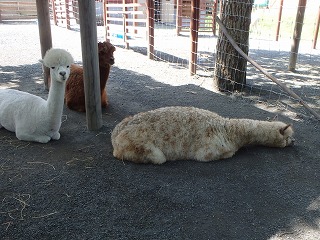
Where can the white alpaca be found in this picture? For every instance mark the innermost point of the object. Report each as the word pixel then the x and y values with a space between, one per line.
pixel 174 133
pixel 31 117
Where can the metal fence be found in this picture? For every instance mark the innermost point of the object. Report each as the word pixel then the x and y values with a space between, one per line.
pixel 163 30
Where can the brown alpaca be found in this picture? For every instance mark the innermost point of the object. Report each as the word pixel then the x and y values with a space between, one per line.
pixel 75 97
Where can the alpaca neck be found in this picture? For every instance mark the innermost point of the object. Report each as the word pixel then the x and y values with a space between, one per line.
pixel 55 101
pixel 104 74
pixel 247 131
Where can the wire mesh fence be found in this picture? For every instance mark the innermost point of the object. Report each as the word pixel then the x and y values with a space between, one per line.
pixel 163 31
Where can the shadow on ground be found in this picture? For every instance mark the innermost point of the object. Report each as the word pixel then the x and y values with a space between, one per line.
pixel 75 189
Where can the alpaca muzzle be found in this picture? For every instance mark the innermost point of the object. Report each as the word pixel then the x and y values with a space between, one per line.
pixel 290 141
pixel 63 75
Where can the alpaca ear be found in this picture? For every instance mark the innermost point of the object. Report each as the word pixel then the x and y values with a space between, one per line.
pixel 282 130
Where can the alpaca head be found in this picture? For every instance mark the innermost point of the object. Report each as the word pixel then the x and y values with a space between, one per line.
pixel 105 51
pixel 59 62
pixel 282 134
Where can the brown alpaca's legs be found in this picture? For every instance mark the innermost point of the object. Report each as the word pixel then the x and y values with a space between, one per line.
pixel 104 99
pixel 76 107
pixel 76 104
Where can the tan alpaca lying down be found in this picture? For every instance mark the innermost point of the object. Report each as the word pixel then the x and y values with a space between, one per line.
pixel 174 133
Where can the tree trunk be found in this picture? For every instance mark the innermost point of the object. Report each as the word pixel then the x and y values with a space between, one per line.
pixel 230 67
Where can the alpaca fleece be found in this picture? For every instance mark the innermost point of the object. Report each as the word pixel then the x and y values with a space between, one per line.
pixel 31 117
pixel 75 96
pixel 181 133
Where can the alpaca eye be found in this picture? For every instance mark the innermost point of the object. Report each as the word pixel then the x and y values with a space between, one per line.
pixel 53 67
pixel 68 66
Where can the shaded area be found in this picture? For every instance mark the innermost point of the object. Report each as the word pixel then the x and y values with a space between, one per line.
pixel 75 189
pixel 305 82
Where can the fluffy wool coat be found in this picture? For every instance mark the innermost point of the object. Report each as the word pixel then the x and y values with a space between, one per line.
pixel 181 133
pixel 31 117
pixel 75 96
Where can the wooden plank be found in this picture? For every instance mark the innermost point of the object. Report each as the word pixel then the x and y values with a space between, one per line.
pixel 7 4
pixel 126 12
pixel 17 17
pixel 89 45
pixel 127 19
pixel 44 33
pixel 127 5
pixel 18 10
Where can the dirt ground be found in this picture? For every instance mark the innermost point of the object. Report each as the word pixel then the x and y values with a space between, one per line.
pixel 74 188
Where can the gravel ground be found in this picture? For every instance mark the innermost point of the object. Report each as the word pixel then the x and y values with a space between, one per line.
pixel 75 189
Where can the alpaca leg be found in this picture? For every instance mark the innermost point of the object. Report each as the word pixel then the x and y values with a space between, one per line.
pixel 227 154
pixel 156 156
pixel 208 154
pixel 205 154
pixel 104 99
pixel 139 153
pixel 56 136
pixel 76 106
pixel 75 102
pixel 33 138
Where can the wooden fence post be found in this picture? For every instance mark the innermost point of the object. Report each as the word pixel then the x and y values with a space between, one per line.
pixel 89 45
pixel 179 17
pixel 44 33
pixel 214 15
pixel 316 31
pixel 125 24
pixel 279 20
pixel 297 35
pixel 135 24
pixel 194 27
pixel 150 28
pixel 67 14
pixel 54 13
pixel 105 22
